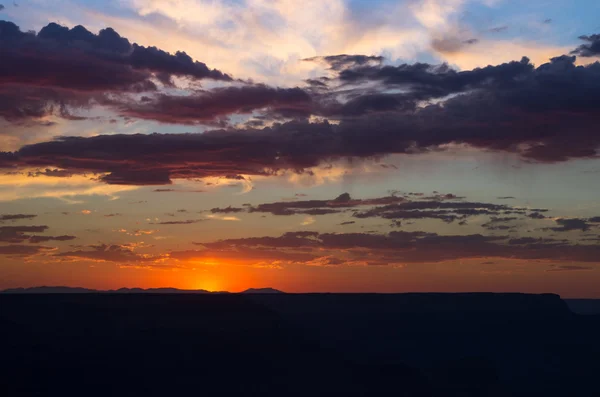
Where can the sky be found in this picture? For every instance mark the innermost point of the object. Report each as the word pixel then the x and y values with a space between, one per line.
pixel 314 146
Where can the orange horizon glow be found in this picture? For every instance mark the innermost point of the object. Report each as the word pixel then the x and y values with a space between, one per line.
pixel 239 275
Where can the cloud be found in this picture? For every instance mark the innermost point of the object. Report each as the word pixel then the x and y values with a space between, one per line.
pixel 227 210
pixel 498 29
pixel 20 103
pixel 434 209
pixel 51 172
pixel 24 250
pixel 320 207
pixel 536 215
pixel 110 62
pixel 19 234
pixel 18 185
pixel 493 222
pixel 208 106
pixel 552 111
pixel 15 217
pixel 400 247
pixel 566 225
pixel 569 268
pixel 44 239
pixel 444 207
pixel 108 253
pixel 591 48
pixel 326 261
pixel 344 61
pixel 186 222
pixel 451 44
pixel 58 68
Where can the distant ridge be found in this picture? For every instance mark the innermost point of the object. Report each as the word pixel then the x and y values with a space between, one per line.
pixel 79 290
pixel 262 291
pixel 49 290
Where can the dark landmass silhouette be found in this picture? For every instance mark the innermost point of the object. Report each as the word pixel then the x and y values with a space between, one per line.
pixel 584 306
pixel 78 290
pixel 262 291
pixel 268 344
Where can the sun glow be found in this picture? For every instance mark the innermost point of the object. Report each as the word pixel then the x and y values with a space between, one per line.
pixel 209 284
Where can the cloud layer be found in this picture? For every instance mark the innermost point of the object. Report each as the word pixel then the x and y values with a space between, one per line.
pixel 363 109
pixel 60 68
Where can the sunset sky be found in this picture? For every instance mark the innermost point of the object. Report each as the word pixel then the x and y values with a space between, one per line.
pixel 309 146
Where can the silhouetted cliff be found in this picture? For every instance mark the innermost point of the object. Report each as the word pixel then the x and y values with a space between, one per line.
pixel 430 345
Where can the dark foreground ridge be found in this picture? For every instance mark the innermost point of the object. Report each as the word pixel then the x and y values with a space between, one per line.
pixel 269 344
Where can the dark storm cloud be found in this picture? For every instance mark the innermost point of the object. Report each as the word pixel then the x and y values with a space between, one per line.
pixel 546 104
pixel 20 103
pixel 78 59
pixel 156 158
pixel 591 48
pixel 544 114
pixel 369 103
pixel 1 7
pixel 430 81
pixel 61 68
pixel 220 102
pixel 15 217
